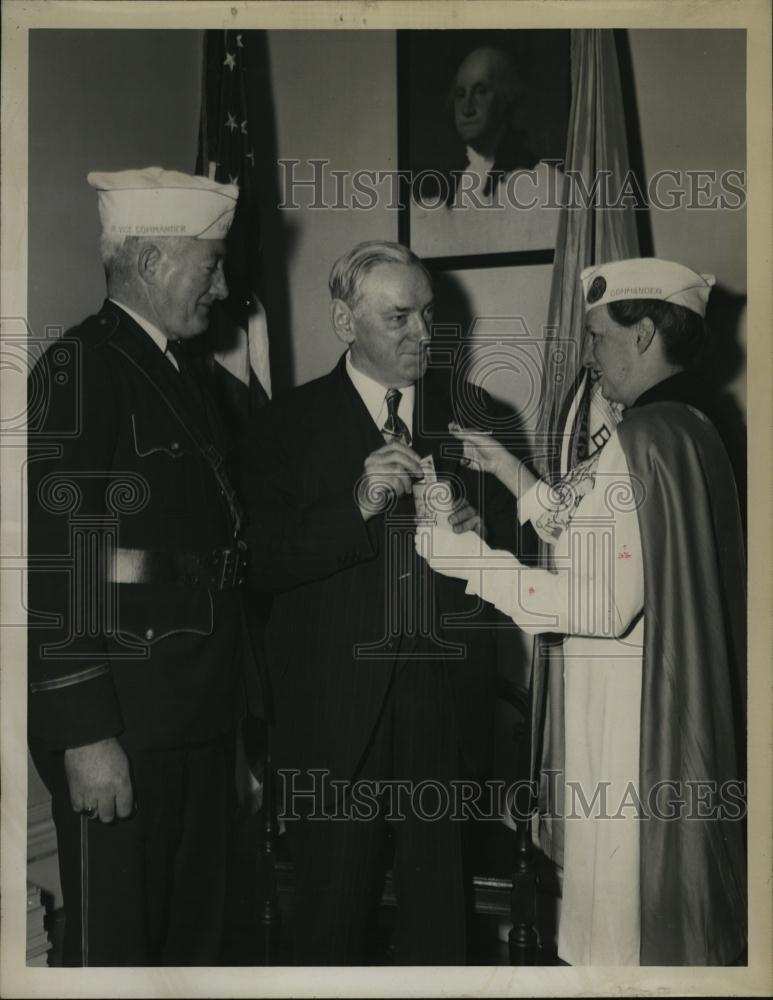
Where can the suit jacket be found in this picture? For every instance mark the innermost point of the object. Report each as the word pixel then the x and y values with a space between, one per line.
pixel 351 600
pixel 120 454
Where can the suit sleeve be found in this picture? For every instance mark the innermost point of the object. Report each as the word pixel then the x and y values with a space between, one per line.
pixel 295 537
pixel 72 700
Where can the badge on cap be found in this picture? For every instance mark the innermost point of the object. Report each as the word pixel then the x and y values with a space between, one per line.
pixel 596 290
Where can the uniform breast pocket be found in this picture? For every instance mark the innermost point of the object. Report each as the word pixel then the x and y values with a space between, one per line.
pixel 158 437
pixel 165 457
pixel 149 613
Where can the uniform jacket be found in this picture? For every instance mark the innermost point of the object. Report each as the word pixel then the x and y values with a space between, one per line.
pixel 117 458
pixel 351 600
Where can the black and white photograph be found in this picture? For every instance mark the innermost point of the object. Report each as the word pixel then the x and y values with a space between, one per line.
pixel 385 441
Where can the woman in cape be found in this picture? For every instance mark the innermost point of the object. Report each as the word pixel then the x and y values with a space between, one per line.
pixel 646 601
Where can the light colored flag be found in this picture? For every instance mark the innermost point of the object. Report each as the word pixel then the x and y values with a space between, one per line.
pixel 575 418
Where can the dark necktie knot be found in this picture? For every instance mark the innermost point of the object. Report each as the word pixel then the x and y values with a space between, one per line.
pixel 179 351
pixel 394 426
pixel 190 376
pixel 393 398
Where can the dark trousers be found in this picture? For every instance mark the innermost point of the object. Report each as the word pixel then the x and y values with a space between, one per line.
pixel 340 862
pixel 148 890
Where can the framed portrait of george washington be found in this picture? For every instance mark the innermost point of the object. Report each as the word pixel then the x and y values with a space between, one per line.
pixel 482 130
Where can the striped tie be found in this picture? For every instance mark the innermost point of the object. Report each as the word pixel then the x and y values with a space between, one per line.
pixel 394 427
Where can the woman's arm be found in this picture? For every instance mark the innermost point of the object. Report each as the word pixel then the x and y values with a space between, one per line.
pixel 483 450
pixel 598 586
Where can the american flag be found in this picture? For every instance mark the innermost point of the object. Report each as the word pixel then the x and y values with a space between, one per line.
pixel 239 338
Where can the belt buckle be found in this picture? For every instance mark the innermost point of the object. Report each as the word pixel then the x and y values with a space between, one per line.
pixel 232 565
pixel 225 568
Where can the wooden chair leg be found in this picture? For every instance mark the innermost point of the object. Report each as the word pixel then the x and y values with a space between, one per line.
pixel 523 939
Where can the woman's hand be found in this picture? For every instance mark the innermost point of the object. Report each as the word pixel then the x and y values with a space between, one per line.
pixel 481 449
pixel 486 453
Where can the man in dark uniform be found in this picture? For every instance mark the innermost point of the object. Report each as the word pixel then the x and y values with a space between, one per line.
pixel 137 651
pixel 380 672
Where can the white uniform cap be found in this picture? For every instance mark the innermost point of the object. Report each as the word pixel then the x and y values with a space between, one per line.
pixel 646 278
pixel 155 202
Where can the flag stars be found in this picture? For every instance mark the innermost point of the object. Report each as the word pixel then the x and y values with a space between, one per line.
pixel 230 60
pixel 251 157
pixel 231 122
pixel 239 42
pixel 233 180
pixel 243 128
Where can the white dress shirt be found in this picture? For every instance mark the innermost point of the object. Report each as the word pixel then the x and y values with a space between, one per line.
pixel 373 395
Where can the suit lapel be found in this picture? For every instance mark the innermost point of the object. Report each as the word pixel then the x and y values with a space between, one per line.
pixel 351 426
pixel 355 436
pixel 431 414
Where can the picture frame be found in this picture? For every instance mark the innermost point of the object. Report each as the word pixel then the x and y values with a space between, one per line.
pixel 472 90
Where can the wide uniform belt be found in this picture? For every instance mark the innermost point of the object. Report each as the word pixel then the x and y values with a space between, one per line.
pixel 218 569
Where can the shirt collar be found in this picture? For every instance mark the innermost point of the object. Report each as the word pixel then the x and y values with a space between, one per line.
pixel 373 395
pixel 160 339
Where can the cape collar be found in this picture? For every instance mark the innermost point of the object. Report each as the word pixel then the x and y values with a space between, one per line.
pixel 682 387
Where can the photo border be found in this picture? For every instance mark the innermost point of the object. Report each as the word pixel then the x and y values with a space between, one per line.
pixel 753 980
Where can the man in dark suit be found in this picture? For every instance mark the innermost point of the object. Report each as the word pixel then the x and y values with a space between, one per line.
pixel 382 676
pixel 137 650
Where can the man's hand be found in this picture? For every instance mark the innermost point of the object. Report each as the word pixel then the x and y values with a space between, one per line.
pixel 388 472
pixel 98 778
pixel 466 518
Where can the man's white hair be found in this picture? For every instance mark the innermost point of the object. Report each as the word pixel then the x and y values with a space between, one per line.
pixel 350 269
pixel 119 253
pixel 113 249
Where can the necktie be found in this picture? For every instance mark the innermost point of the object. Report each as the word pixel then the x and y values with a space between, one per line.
pixel 191 380
pixel 177 350
pixel 394 427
